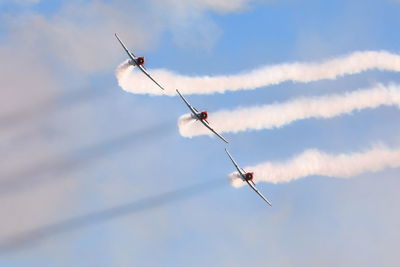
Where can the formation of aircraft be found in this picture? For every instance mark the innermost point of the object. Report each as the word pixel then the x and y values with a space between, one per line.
pixel 199 116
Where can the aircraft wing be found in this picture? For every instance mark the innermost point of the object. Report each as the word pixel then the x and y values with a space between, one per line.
pixel 212 130
pixel 253 186
pixel 130 54
pixel 192 109
pixel 148 75
pixel 234 163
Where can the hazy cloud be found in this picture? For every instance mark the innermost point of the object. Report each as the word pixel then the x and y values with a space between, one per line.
pixel 21 2
pixel 80 34
pixel 43 54
pixel 223 6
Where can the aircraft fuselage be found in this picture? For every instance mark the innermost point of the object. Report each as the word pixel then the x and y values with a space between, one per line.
pixel 248 176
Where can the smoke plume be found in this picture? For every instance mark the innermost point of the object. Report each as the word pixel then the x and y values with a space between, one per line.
pixel 315 162
pixel 135 82
pixel 280 114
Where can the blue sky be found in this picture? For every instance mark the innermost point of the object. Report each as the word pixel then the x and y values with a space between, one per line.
pixel 53 49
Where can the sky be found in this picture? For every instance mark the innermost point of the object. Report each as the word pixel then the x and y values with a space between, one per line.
pixel 93 175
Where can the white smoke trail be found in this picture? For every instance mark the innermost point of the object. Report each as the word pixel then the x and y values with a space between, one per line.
pixel 136 82
pixel 280 114
pixel 314 162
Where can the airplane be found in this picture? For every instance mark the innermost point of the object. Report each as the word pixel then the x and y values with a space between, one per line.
pixel 137 61
pixel 201 116
pixel 247 177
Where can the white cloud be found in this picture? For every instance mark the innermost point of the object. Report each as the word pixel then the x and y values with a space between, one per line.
pixel 188 21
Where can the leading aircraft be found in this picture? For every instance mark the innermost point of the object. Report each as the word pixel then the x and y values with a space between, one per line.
pixel 137 61
pixel 247 177
pixel 201 116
